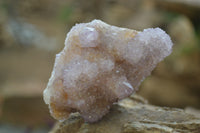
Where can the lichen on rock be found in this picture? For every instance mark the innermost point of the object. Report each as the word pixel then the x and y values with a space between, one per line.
pixel 101 64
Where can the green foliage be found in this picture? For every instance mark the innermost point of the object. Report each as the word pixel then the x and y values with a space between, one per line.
pixel 65 13
pixel 4 5
pixel 188 50
pixel 170 16
pixel 197 34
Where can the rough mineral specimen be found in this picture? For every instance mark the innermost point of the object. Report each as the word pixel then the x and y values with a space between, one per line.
pixel 101 64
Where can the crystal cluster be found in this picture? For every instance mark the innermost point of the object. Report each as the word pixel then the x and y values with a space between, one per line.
pixel 101 64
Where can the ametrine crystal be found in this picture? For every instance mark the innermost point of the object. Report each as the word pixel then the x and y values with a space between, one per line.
pixel 101 64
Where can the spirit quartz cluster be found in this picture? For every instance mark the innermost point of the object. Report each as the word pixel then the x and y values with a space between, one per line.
pixel 101 64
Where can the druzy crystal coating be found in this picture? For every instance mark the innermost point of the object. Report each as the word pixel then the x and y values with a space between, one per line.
pixel 101 64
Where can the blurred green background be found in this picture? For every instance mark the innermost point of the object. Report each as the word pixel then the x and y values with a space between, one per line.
pixel 33 31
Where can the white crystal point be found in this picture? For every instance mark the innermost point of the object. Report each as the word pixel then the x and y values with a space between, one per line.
pixel 88 37
pixel 101 64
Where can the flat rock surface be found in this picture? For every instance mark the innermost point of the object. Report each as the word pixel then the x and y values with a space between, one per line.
pixel 189 8
pixel 134 115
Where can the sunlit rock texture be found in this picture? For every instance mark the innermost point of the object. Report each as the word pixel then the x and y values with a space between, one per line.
pixel 99 65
